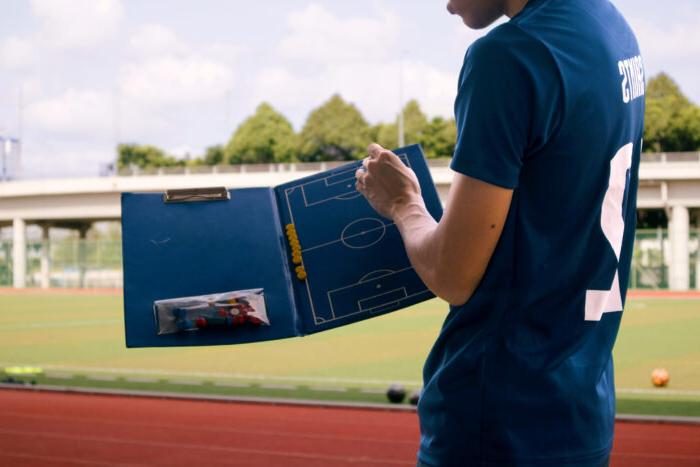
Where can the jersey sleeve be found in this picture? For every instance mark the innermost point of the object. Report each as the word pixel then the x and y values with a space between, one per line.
pixel 495 107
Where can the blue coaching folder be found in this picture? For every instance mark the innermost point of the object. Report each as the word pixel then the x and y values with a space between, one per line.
pixel 355 261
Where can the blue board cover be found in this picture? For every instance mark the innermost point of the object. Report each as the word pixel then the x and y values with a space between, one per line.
pixel 355 260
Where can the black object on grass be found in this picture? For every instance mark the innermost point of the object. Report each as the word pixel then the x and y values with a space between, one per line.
pixel 396 393
pixel 415 397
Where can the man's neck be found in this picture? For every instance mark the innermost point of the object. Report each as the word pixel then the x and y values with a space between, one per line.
pixel 513 7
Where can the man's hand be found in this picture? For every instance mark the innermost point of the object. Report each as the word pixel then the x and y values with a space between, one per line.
pixel 386 182
pixel 450 256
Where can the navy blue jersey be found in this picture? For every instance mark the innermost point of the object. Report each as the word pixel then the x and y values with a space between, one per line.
pixel 551 105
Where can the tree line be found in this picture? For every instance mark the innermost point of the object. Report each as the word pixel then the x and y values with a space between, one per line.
pixel 337 131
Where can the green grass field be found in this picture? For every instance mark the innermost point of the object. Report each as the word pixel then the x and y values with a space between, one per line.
pixel 79 340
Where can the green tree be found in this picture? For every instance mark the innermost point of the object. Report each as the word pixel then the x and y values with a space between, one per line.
pixel 214 155
pixel 144 156
pixel 439 138
pixel 671 120
pixel 415 123
pixel 335 131
pixel 265 137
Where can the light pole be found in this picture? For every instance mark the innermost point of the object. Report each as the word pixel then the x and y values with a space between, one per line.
pixel 6 144
pixel 400 123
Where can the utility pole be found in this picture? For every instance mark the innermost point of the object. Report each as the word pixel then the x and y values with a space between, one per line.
pixel 400 125
pixel 3 176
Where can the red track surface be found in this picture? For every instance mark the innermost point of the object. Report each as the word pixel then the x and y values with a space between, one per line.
pixel 43 428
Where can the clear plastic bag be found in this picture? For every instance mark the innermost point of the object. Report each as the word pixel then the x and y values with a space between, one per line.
pixel 227 310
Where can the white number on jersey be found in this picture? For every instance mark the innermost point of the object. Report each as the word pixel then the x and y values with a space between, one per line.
pixel 613 225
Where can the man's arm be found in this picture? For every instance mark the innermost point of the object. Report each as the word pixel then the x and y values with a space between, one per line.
pixel 450 256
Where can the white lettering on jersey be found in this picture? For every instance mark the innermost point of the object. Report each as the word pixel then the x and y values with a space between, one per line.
pixel 613 225
pixel 632 72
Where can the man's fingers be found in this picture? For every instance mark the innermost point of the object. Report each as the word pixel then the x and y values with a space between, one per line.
pixel 374 150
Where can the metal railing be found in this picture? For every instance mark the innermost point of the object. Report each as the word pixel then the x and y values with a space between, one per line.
pixel 670 157
pixel 662 157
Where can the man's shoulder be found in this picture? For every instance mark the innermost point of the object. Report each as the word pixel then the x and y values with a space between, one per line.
pixel 504 39
pixel 508 49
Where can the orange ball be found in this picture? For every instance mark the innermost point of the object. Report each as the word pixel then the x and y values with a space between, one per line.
pixel 660 377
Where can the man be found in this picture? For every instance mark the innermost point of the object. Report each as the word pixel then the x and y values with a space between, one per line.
pixel 534 248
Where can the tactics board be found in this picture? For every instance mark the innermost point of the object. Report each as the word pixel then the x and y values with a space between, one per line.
pixel 354 258
pixel 354 261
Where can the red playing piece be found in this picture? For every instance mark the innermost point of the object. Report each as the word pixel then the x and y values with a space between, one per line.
pixel 254 320
pixel 201 322
pixel 222 312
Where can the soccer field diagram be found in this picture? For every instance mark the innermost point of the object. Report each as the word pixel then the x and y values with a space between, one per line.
pixel 355 260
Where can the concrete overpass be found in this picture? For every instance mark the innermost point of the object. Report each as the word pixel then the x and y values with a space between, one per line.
pixel 667 181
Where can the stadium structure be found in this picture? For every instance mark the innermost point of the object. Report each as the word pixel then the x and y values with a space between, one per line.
pixel 666 257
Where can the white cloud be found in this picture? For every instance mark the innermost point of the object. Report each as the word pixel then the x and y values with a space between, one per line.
pixel 172 80
pixel 673 48
pixel 77 23
pixel 668 43
pixel 356 57
pixel 168 71
pixel 375 90
pixel 16 53
pixel 316 34
pixel 72 112
pixel 53 159
pixel 156 39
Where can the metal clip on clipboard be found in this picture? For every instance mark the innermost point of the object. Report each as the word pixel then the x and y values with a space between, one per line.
pixel 185 195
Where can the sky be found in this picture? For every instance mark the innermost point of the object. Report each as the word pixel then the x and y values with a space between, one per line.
pixel 79 76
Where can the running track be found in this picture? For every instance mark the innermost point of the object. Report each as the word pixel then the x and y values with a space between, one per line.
pixel 48 429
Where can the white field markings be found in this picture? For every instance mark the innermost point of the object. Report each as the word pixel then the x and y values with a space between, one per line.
pixel 318 319
pixel 349 180
pixel 102 377
pixel 59 375
pixel 306 281
pixel 60 324
pixel 141 379
pixel 186 382
pixel 221 376
pixel 659 392
pixel 286 387
pixel 343 237
pixel 352 193
pixel 373 390
pixel 67 372
pixel 231 384
pixel 328 388
pixel 360 308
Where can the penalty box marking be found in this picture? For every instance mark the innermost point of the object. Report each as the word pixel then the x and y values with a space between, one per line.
pixel 364 283
pixel 373 302
pixel 319 320
pixel 332 182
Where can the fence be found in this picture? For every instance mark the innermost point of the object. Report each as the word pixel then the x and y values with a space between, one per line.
pixel 73 262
